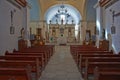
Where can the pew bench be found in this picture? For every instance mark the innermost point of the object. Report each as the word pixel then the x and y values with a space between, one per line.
pixel 47 51
pixel 89 68
pixel 15 74
pixel 95 57
pixel 90 53
pixel 25 58
pixel 106 73
pixel 43 56
pixel 34 67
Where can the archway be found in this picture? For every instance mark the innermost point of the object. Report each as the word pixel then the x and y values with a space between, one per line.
pixel 68 10
pixel 64 15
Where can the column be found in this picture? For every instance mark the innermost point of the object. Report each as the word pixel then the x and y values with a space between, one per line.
pixel 99 23
pixel 83 30
pixel 26 21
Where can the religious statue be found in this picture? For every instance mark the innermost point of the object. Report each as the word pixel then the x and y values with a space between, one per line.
pixel 62 21
pixel 22 31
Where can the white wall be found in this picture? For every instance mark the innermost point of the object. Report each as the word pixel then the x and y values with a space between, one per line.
pixel 108 24
pixel 8 41
pixel 83 31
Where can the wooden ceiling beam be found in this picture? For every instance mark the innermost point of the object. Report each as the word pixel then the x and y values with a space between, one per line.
pixel 104 2
pixel 23 3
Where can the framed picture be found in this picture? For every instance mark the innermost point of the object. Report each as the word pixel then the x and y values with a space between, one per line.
pixel 113 30
pixel 12 30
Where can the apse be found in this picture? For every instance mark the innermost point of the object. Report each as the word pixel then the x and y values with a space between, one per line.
pixel 62 12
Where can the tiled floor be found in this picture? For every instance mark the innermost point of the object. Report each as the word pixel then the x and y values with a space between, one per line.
pixel 61 66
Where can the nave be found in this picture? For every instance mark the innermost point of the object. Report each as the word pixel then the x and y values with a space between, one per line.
pixel 35 34
pixel 48 62
pixel 61 66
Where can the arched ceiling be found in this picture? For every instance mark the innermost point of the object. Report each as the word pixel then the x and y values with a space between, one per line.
pixel 71 13
pixel 39 7
pixel 46 4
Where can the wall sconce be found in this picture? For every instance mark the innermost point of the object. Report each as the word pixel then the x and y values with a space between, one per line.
pixel 12 30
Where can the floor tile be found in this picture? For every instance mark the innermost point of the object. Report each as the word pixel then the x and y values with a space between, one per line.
pixel 61 66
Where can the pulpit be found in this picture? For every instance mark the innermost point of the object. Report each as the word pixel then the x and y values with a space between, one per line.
pixel 22 44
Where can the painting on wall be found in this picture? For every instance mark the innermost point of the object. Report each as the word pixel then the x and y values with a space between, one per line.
pixel 113 31
pixel 12 30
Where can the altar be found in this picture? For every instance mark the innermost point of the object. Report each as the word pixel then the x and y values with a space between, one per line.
pixel 61 34
pixel 61 40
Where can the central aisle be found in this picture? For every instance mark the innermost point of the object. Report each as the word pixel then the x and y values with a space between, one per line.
pixel 61 66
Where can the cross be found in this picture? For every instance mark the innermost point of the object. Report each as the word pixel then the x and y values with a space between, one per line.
pixel 11 17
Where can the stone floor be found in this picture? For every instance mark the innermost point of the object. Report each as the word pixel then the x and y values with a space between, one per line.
pixel 61 66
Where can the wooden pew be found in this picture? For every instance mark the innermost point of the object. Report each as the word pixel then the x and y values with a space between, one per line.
pixel 52 48
pixel 93 57
pixel 83 48
pixel 98 56
pixel 37 50
pixel 106 73
pixel 78 53
pixel 26 58
pixel 43 56
pixel 34 67
pixel 15 74
pixel 86 49
pixel 90 66
pixel 46 48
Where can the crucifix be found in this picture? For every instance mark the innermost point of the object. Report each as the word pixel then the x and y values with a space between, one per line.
pixel 11 17
pixel 113 13
pixel 113 30
pixel 11 27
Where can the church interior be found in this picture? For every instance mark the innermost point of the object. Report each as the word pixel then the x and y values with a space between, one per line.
pixel 59 39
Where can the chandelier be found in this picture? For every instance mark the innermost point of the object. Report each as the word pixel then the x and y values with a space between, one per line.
pixel 62 14
pixel 62 9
